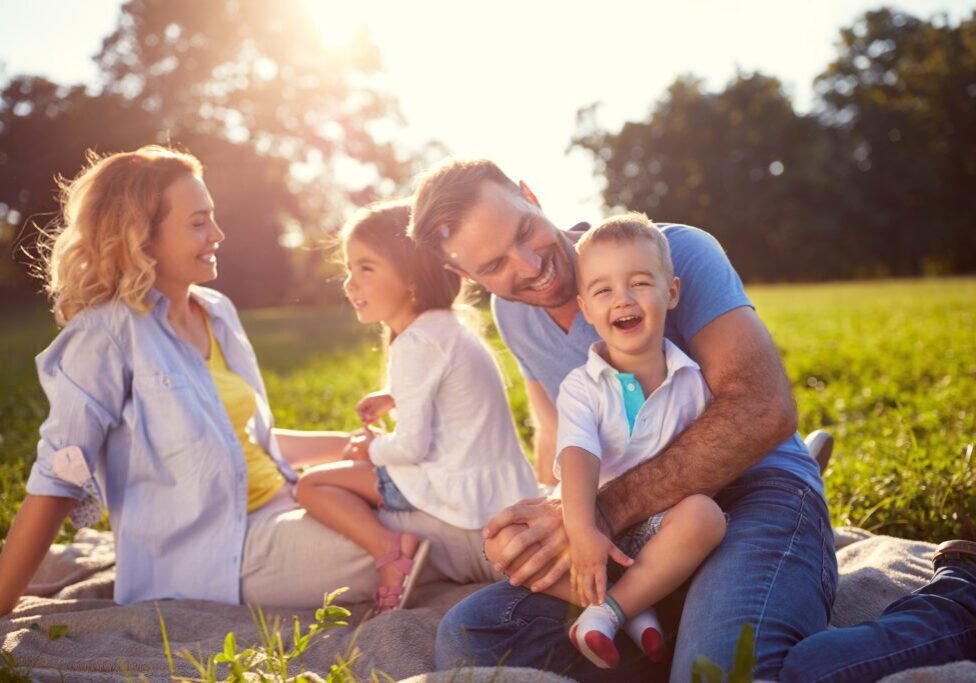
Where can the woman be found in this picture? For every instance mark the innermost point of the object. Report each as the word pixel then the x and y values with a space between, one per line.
pixel 158 412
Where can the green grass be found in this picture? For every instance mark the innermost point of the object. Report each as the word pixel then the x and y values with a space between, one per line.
pixel 889 367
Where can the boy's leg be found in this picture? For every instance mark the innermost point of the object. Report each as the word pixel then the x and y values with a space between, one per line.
pixel 510 625
pixel 775 569
pixel 689 532
pixel 671 547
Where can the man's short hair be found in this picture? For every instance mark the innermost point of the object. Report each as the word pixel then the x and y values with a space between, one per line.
pixel 445 195
pixel 629 227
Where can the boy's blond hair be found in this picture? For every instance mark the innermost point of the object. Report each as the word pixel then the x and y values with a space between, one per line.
pixel 629 227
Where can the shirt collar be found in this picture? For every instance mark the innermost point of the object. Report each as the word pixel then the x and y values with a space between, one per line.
pixel 674 358
pixel 207 298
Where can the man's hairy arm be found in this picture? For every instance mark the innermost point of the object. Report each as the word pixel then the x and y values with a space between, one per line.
pixel 751 412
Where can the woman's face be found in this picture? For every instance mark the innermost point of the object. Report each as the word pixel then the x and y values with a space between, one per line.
pixel 185 245
pixel 375 287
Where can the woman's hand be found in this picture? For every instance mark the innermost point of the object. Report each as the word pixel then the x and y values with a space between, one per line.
pixel 372 406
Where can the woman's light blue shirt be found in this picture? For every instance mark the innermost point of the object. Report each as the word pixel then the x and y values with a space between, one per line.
pixel 141 405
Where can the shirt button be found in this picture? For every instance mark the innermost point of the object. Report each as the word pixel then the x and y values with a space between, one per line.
pixel 630 387
pixel 166 381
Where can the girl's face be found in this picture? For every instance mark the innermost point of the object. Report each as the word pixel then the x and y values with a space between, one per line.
pixel 185 244
pixel 375 287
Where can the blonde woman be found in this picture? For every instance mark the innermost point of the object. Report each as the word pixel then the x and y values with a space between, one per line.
pixel 158 412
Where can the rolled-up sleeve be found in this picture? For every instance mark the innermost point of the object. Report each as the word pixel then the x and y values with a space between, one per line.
pixel 86 381
pixel 416 369
pixel 578 419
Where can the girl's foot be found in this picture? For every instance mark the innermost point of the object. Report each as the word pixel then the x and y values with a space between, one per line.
pixel 593 632
pixel 399 570
pixel 645 630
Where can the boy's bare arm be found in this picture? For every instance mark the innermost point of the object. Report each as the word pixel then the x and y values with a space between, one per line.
pixel 580 480
pixel 589 548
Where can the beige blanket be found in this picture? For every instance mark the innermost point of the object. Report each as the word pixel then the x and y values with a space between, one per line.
pixel 106 642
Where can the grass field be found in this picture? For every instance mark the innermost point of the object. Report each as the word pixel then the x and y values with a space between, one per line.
pixel 889 367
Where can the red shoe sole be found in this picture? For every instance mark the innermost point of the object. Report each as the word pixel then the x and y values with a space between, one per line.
pixel 653 644
pixel 597 648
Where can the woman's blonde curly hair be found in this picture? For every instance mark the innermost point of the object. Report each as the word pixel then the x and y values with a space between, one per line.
pixel 110 212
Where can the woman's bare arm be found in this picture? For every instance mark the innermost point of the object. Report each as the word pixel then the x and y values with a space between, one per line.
pixel 33 530
pixel 301 448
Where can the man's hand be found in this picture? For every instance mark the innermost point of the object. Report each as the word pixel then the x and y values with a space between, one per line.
pixel 372 406
pixel 541 538
pixel 589 550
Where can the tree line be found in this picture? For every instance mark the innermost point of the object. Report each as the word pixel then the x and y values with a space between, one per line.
pixel 877 180
pixel 284 125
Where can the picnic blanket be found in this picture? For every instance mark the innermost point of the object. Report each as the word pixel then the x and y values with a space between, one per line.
pixel 103 641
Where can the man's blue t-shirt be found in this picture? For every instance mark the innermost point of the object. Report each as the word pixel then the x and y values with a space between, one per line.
pixel 709 287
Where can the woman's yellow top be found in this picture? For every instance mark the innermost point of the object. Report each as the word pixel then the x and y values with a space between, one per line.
pixel 263 478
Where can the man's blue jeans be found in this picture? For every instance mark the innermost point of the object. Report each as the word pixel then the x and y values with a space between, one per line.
pixel 934 625
pixel 775 569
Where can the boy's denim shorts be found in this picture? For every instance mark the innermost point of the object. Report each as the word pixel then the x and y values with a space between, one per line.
pixel 390 494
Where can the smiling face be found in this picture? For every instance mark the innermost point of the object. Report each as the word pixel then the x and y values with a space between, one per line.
pixel 375 287
pixel 625 293
pixel 185 242
pixel 506 244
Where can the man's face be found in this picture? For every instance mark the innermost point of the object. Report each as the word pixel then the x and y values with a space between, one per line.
pixel 510 248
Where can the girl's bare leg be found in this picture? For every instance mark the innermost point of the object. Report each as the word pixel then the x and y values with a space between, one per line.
pixel 343 496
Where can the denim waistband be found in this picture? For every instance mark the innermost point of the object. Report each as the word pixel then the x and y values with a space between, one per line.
pixel 772 477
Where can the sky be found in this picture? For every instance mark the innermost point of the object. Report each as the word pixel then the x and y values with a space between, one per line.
pixel 505 79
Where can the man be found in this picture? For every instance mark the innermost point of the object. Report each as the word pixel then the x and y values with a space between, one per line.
pixel 775 569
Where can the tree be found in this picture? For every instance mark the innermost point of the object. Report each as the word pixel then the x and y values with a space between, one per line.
pixel 45 129
pixel 878 181
pixel 902 94
pixel 288 129
pixel 740 163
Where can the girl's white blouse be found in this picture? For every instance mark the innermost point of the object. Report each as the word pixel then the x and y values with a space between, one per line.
pixel 454 453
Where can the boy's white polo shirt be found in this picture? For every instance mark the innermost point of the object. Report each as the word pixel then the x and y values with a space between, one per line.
pixel 592 415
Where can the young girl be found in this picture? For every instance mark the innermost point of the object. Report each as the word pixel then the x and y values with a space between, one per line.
pixel 454 453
